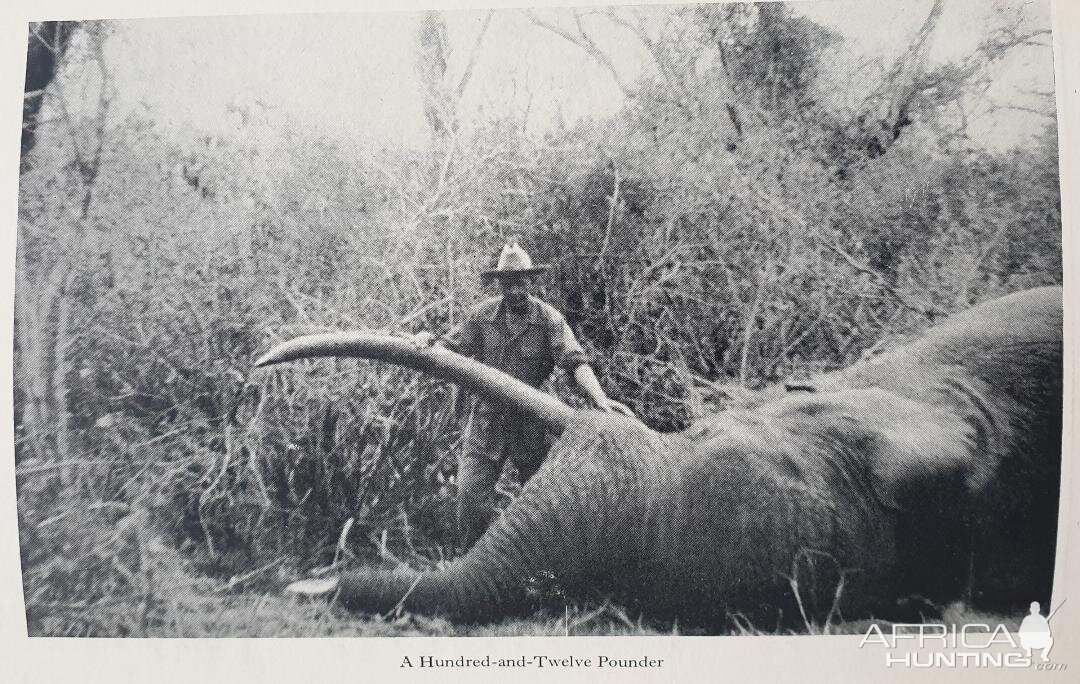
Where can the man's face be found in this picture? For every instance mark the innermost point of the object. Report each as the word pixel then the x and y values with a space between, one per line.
pixel 515 291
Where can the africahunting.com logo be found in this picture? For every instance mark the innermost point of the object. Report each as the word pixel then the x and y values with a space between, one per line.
pixel 974 644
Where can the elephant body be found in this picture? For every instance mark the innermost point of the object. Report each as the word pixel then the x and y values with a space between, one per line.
pixel 927 474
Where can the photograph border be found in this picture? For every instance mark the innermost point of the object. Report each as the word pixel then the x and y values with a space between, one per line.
pixel 771 658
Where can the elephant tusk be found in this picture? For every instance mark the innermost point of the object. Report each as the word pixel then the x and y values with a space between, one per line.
pixel 313 587
pixel 441 363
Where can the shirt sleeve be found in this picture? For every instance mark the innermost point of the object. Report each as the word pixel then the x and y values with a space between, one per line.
pixel 565 348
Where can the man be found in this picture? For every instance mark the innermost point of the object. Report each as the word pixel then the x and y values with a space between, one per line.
pixel 526 338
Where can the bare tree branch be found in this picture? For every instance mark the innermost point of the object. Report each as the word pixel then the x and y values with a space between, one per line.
pixel 921 308
pixel 884 112
pixel 1036 92
pixel 586 43
pixel 655 51
pixel 1029 110
pixel 467 74
pixel 909 86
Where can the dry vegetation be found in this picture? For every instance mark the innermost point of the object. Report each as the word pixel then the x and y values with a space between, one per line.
pixel 727 229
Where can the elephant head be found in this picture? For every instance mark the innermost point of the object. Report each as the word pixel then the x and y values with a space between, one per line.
pixel 929 471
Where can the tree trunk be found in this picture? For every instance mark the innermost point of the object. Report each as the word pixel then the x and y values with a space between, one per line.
pixel 61 366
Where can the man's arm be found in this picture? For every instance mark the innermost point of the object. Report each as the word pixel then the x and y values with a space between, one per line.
pixel 590 386
pixel 567 350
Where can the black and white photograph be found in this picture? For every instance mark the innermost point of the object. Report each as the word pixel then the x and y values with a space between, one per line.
pixel 726 320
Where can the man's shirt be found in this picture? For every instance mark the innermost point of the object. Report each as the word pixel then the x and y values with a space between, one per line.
pixel 527 346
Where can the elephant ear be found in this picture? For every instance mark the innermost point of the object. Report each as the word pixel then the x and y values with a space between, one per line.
pixel 894 441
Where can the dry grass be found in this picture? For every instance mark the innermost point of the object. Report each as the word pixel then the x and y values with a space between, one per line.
pixel 153 591
pixel 103 570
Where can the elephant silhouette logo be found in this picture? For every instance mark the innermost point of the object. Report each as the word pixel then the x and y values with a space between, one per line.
pixel 1035 633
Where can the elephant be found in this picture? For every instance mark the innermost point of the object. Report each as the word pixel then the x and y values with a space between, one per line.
pixel 925 475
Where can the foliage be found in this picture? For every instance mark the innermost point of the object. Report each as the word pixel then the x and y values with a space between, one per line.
pixel 702 245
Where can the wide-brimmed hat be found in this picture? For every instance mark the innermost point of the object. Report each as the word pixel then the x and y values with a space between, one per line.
pixel 514 261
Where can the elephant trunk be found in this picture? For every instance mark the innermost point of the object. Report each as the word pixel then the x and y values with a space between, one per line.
pixel 492 384
pixel 582 525
pixel 456 592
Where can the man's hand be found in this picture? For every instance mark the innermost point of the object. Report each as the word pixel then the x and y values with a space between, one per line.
pixel 609 405
pixel 423 340
pixel 590 386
